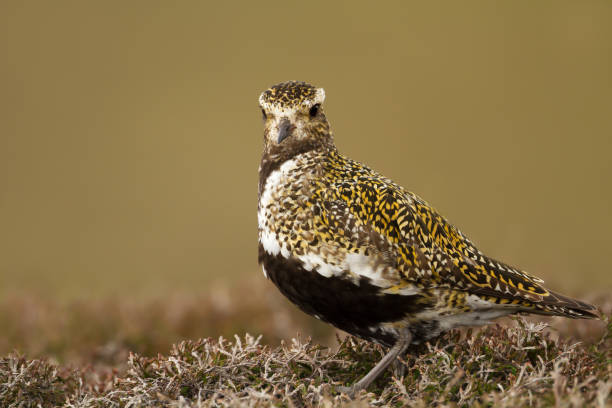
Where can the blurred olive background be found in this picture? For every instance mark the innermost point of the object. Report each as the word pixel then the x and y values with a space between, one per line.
pixel 130 134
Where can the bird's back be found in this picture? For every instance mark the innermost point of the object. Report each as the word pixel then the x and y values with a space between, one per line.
pixel 430 252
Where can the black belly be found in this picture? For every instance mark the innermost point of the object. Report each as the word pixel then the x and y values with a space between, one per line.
pixel 356 309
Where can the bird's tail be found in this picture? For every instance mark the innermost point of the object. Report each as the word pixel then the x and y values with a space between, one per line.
pixel 559 305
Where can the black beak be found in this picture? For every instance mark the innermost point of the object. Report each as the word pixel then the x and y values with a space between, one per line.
pixel 284 129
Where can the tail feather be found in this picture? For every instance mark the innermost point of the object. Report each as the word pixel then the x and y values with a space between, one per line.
pixel 560 305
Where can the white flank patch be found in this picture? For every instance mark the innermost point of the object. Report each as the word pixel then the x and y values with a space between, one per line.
pixel 318 264
pixel 361 265
pixel 264 271
pixel 357 264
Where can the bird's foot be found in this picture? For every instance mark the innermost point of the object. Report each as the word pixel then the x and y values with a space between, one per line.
pixel 398 348
pixel 349 391
pixel 398 368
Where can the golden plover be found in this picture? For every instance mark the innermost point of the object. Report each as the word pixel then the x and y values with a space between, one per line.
pixel 358 251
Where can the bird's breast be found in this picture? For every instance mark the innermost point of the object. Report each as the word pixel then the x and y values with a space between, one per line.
pixel 282 209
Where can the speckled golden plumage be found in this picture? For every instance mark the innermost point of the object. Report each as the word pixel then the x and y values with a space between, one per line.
pixel 348 208
pixel 359 251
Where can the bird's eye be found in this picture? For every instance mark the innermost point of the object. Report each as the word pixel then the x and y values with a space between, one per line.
pixel 314 110
pixel 263 113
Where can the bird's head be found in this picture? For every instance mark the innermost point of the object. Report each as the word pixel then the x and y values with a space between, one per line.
pixel 293 118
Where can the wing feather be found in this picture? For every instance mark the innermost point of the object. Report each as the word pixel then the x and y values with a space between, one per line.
pixel 431 253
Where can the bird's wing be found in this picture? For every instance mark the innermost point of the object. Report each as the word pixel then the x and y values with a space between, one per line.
pixel 431 253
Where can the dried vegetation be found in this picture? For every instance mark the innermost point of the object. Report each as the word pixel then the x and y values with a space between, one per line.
pixel 108 358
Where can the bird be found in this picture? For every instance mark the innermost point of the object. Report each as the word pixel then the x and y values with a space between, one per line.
pixel 358 251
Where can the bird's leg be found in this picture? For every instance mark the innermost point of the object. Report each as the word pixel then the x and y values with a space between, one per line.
pixel 398 348
pixel 398 368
